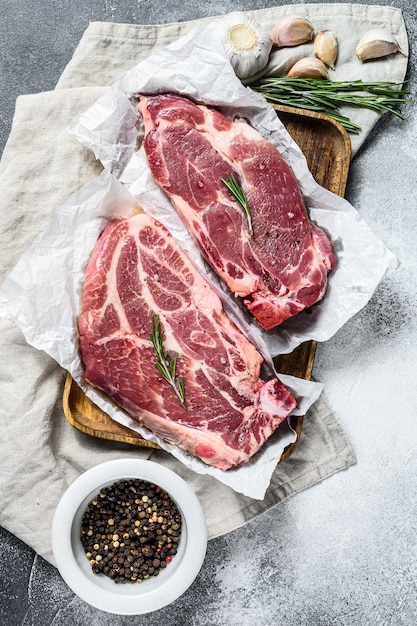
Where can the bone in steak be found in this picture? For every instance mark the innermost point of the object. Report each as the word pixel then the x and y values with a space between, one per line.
pixel 138 271
pixel 281 269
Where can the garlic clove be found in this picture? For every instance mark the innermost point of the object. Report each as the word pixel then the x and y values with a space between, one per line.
pixel 309 67
pixel 375 44
pixel 246 43
pixel 325 47
pixel 291 31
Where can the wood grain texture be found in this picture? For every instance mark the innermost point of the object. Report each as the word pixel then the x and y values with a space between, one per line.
pixel 326 146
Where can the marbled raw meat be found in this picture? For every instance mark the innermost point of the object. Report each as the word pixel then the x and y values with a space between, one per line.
pixel 281 269
pixel 138 271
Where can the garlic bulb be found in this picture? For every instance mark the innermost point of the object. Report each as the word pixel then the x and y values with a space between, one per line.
pixel 375 44
pixel 291 31
pixel 246 43
pixel 308 67
pixel 325 47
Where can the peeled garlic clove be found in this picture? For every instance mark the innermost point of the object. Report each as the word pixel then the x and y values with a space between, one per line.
pixel 246 43
pixel 375 44
pixel 308 67
pixel 325 47
pixel 291 31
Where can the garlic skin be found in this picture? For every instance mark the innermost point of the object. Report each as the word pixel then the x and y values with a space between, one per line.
pixel 375 44
pixel 309 67
pixel 291 31
pixel 326 47
pixel 246 43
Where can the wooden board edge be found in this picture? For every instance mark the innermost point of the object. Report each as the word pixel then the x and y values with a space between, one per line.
pixel 70 388
pixel 344 163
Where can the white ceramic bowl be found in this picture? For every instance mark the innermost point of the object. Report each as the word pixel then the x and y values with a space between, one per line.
pixel 99 590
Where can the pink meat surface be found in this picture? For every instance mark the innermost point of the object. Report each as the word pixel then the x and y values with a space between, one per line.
pixel 136 272
pixel 281 269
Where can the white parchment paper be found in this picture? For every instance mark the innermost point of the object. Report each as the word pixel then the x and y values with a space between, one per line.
pixel 42 295
pixel 197 66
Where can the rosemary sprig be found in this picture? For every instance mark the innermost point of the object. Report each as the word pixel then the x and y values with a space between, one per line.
pixel 328 96
pixel 166 365
pixel 239 195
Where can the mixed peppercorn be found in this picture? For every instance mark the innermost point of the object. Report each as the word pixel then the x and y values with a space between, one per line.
pixel 130 531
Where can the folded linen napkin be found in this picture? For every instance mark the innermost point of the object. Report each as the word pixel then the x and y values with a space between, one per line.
pixel 41 166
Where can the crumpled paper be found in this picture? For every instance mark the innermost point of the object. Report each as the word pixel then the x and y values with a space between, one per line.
pixel 197 66
pixel 42 295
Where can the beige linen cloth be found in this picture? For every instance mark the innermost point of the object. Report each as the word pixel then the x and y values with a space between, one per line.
pixel 41 453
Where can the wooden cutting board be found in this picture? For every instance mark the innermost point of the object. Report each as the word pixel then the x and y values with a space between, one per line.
pixel 326 146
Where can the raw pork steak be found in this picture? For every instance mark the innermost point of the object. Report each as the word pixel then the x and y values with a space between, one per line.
pixel 137 272
pixel 283 267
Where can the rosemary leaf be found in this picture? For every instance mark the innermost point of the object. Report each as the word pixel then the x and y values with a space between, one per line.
pixel 239 195
pixel 328 96
pixel 166 364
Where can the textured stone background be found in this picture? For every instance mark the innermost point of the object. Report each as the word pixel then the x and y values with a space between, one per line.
pixel 345 551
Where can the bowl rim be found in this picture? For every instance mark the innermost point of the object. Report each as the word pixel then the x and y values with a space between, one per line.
pixel 100 591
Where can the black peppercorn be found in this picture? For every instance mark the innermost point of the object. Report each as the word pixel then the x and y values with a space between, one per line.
pixel 123 517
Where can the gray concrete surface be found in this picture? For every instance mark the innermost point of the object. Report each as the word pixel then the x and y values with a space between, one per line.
pixel 343 553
